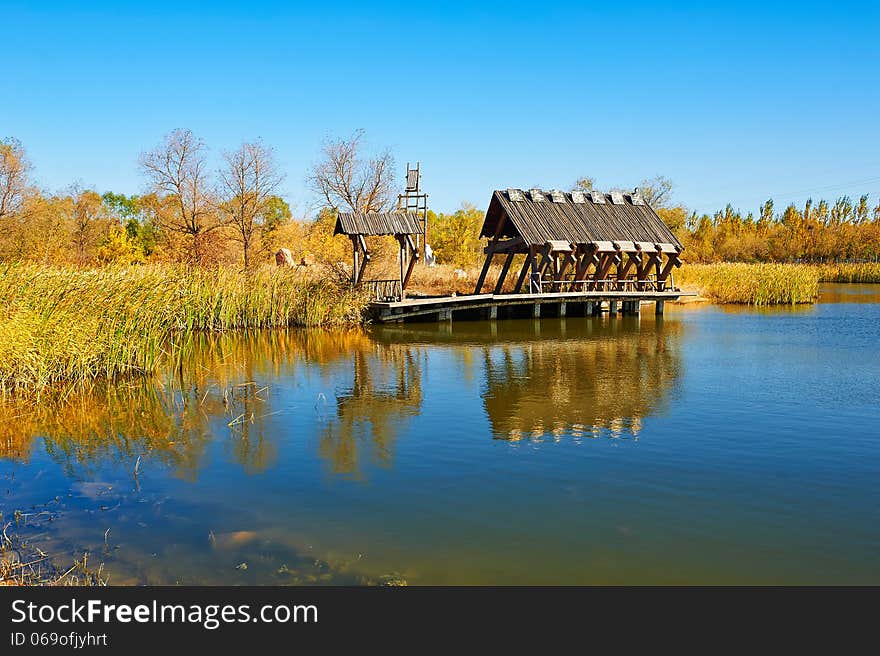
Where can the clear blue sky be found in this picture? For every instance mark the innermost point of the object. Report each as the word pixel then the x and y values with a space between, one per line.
pixel 732 103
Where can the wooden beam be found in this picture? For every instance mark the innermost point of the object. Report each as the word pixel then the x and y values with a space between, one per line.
pixel 403 258
pixel 504 246
pixel 672 260
pixel 632 260
pixel 411 265
pixel 479 287
pixel 535 279
pixel 354 261
pixel 499 285
pixel 522 275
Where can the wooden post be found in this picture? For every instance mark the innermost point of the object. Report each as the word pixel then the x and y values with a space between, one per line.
pixel 561 310
pixel 402 265
pixel 493 312
pixel 414 255
pixel 354 259
pixel 613 307
pixel 535 280
pixel 658 308
pixel 536 311
pixel 504 269
pixel 522 275
pixel 589 310
pixel 484 271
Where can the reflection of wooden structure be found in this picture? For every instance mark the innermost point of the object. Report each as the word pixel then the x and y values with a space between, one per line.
pixel 591 385
pixel 579 241
pixel 402 226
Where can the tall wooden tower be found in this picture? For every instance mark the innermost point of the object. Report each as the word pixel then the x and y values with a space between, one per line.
pixel 413 200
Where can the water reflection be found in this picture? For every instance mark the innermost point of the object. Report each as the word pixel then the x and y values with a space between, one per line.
pixel 220 391
pixel 386 389
pixel 582 377
pixel 545 379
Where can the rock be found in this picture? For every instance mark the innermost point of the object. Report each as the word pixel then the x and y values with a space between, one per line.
pixel 284 258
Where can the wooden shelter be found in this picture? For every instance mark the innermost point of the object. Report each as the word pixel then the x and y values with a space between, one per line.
pixel 579 242
pixel 402 226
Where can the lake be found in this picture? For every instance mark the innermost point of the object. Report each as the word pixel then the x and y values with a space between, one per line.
pixel 725 445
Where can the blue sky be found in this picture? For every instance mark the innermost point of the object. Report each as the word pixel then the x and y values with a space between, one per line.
pixel 734 103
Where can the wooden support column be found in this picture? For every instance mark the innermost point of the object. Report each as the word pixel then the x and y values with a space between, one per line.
pixel 589 310
pixel 535 280
pixel 672 260
pixel 658 308
pixel 504 269
pixel 479 287
pixel 403 258
pixel 522 274
pixel 562 309
pixel 414 255
pixel 354 259
pixel 493 312
pixel 536 311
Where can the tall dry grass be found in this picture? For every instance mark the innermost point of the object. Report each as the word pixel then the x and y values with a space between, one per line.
pixel 753 284
pixel 849 272
pixel 76 325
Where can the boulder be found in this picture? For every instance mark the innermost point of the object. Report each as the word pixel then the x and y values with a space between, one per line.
pixel 284 258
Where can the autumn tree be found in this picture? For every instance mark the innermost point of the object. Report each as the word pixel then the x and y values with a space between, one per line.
pixel 248 185
pixel 177 169
pixel 88 223
pixel 345 179
pixel 14 170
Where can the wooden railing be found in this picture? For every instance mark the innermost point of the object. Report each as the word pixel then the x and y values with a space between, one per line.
pixel 383 290
pixel 649 284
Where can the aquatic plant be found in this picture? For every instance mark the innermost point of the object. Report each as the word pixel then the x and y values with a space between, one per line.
pixel 850 272
pixel 63 324
pixel 753 284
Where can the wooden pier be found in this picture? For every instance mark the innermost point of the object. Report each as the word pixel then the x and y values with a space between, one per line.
pixel 510 306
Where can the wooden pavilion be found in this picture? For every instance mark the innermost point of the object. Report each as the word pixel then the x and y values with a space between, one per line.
pixel 402 225
pixel 579 242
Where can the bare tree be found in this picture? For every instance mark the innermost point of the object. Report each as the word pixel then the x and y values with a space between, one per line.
pixel 248 185
pixel 656 191
pixel 14 169
pixel 345 180
pixel 177 170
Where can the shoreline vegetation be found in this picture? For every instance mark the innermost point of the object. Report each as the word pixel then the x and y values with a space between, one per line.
pixel 63 325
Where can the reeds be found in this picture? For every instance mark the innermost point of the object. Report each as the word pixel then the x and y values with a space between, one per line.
pixel 849 272
pixel 76 325
pixel 753 284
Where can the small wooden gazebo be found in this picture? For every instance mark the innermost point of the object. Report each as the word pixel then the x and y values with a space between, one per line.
pixel 402 225
pixel 579 241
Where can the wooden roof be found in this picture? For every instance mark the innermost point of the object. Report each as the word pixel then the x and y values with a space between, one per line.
pixel 539 216
pixel 377 223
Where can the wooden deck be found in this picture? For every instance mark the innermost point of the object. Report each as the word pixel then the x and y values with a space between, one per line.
pixel 503 306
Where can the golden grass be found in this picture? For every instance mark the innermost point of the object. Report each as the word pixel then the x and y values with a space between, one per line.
pixel 849 272
pixel 76 325
pixel 753 284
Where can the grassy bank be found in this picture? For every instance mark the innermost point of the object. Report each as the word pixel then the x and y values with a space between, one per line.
pixel 753 284
pixel 76 325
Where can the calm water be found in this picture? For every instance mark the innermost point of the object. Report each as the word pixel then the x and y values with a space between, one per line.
pixel 716 445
